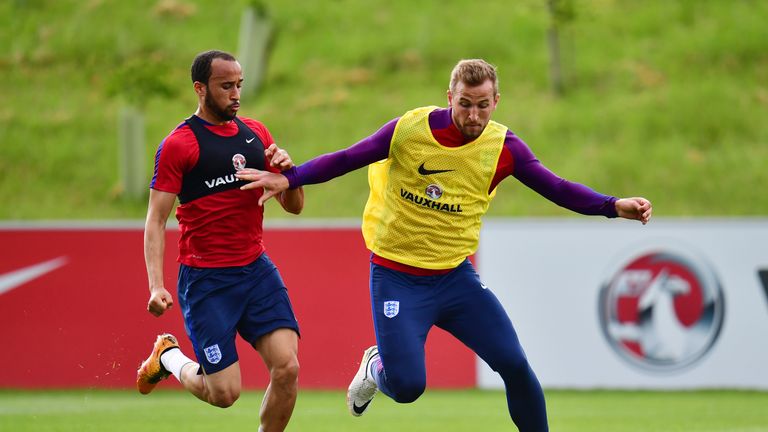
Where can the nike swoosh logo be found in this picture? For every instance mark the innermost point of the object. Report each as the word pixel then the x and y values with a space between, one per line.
pixel 248 141
pixel 361 408
pixel 17 278
pixel 424 171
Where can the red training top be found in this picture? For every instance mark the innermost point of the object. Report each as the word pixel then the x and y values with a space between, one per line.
pixel 222 228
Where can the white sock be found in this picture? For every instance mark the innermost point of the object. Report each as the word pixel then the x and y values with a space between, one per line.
pixel 174 360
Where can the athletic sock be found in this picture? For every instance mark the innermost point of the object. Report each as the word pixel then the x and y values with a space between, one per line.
pixel 174 361
pixel 375 369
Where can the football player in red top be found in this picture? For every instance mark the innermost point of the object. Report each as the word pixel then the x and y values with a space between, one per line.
pixel 227 283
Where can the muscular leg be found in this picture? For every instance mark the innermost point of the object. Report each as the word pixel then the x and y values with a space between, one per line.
pixel 475 317
pixel 220 389
pixel 200 297
pixel 279 349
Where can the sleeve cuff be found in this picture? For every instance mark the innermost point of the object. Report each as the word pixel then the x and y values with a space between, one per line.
pixel 610 210
pixel 293 177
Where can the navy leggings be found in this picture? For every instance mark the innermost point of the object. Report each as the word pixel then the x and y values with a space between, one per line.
pixel 405 307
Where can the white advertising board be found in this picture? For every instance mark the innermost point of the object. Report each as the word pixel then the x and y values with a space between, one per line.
pixel 597 303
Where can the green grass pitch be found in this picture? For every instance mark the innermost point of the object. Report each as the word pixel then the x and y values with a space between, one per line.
pixel 435 411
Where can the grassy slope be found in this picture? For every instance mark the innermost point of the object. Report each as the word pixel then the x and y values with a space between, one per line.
pixel 666 99
pixel 436 411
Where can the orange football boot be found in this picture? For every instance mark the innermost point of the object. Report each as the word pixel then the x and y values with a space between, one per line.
pixel 151 370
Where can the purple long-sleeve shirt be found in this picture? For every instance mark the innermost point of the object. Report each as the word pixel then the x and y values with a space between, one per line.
pixel 516 159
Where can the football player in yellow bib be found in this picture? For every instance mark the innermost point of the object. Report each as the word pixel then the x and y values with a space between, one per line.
pixel 432 174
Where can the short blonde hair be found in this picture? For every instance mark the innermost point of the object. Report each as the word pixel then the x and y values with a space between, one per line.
pixel 473 72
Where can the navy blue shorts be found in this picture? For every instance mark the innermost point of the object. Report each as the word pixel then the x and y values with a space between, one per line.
pixel 217 303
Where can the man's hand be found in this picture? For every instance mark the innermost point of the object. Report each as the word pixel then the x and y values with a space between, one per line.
pixel 636 208
pixel 278 158
pixel 160 300
pixel 272 183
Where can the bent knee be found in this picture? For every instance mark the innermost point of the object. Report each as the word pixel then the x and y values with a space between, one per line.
pixel 407 392
pixel 286 373
pixel 512 366
pixel 223 398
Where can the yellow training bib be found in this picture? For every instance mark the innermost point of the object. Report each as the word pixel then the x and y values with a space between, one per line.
pixel 426 199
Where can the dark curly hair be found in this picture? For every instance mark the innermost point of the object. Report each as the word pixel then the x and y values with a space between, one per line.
pixel 201 66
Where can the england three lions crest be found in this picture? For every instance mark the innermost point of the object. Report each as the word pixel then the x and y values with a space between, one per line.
pixel 213 353
pixel 391 308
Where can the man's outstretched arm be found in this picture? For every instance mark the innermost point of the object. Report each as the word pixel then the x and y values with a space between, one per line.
pixel 322 168
pixel 573 196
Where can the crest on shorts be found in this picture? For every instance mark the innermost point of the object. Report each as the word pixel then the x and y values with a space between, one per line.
pixel 213 354
pixel 391 308
pixel 238 161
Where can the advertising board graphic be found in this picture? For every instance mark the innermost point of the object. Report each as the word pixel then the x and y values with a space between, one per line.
pixel 595 304
pixel 73 308
pixel 662 310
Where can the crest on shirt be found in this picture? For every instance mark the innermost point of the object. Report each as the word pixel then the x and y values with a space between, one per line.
pixel 213 353
pixel 391 308
pixel 434 191
pixel 238 161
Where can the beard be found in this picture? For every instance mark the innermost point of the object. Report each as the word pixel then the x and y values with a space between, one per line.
pixel 471 132
pixel 223 114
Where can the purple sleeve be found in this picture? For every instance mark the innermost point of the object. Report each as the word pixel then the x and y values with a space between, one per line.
pixel 331 165
pixel 573 196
